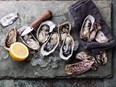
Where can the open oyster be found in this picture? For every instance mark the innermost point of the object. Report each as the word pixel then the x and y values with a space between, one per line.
pixel 87 27
pixel 84 56
pixel 102 58
pixel 44 31
pixel 30 41
pixel 67 47
pixel 9 19
pixel 79 68
pixel 50 45
pixel 64 29
pixel 10 38
pixel 101 38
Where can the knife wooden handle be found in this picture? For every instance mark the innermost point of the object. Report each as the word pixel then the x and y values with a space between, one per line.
pixel 43 17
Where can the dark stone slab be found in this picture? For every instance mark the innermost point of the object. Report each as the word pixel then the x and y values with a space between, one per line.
pixel 29 69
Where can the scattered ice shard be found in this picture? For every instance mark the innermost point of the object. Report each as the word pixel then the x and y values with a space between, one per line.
pixel 9 19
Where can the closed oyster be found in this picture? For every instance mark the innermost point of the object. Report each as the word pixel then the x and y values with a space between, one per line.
pixel 87 27
pixel 84 56
pixel 79 68
pixel 50 45
pixel 10 38
pixel 101 38
pixel 102 58
pixel 44 31
pixel 64 29
pixel 67 47
pixel 9 19
pixel 30 41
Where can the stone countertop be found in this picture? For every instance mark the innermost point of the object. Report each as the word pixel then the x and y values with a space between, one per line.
pixel 37 66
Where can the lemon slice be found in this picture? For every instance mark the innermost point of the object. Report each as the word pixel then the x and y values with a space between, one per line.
pixel 18 51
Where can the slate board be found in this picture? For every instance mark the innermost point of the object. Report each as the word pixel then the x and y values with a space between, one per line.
pixel 28 11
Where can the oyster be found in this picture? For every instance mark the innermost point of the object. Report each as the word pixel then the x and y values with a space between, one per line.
pixel 44 31
pixel 30 41
pixel 102 58
pixel 101 38
pixel 10 38
pixel 67 47
pixel 64 29
pixel 87 27
pixel 9 19
pixel 79 68
pixel 84 56
pixel 50 45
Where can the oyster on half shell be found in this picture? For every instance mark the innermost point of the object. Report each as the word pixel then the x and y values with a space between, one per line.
pixel 101 38
pixel 44 31
pixel 87 27
pixel 64 29
pixel 30 41
pixel 50 45
pixel 10 38
pixel 67 47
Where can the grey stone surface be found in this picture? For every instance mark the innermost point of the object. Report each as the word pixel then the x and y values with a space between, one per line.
pixel 28 12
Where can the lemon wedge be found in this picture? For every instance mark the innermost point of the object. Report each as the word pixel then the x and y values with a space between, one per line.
pixel 18 51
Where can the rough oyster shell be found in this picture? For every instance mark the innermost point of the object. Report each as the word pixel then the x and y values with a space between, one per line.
pixel 44 30
pixel 10 38
pixel 79 68
pixel 30 41
pixel 101 38
pixel 67 47
pixel 102 58
pixel 50 45
pixel 9 19
pixel 84 56
pixel 87 27
pixel 64 29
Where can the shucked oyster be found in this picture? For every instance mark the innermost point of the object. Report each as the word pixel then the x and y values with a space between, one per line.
pixel 101 38
pixel 67 47
pixel 44 31
pixel 87 27
pixel 79 68
pixel 50 45
pixel 64 29
pixel 9 19
pixel 10 38
pixel 30 41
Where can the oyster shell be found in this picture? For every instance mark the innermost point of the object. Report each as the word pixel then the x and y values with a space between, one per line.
pixel 9 19
pixel 79 68
pixel 87 27
pixel 84 56
pixel 10 38
pixel 50 45
pixel 101 38
pixel 64 29
pixel 102 58
pixel 67 47
pixel 30 41
pixel 44 31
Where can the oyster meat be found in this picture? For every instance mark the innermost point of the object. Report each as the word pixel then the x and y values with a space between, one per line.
pixel 44 31
pixel 9 19
pixel 50 45
pixel 67 47
pixel 101 38
pixel 87 27
pixel 102 58
pixel 30 41
pixel 79 68
pixel 10 38
pixel 64 29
